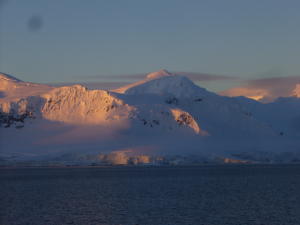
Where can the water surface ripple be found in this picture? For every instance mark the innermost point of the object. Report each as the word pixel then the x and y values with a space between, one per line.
pixel 204 195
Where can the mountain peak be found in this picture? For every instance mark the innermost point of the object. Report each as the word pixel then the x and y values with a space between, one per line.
pixel 163 82
pixel 158 74
pixel 6 77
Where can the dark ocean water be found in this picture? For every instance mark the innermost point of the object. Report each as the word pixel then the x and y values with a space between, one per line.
pixel 208 195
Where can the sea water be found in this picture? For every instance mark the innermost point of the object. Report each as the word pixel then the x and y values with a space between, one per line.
pixel 208 195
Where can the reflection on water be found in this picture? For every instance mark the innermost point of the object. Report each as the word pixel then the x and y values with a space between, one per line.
pixel 268 195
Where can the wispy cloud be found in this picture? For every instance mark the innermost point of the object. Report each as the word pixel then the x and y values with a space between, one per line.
pixel 266 89
pixel 195 76
pixel 263 89
pixel 114 77
pixel 206 76
pixel 109 82
pixel 93 85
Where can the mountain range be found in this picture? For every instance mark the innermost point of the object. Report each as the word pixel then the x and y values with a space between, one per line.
pixel 162 118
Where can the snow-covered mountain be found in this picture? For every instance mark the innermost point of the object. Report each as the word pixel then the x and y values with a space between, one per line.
pixel 12 88
pixel 296 91
pixel 164 114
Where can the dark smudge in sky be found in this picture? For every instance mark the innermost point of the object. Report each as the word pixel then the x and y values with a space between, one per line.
pixel 35 23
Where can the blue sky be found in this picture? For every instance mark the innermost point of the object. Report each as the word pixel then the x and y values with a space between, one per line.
pixel 76 40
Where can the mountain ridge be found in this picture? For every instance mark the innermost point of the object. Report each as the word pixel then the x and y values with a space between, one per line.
pixel 165 111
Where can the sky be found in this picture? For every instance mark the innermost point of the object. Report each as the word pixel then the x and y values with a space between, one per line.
pixel 108 40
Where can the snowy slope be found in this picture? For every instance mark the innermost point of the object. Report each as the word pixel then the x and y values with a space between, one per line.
pixel 164 83
pixel 283 115
pixel 161 115
pixel 13 89
pixel 218 115
pixel 77 105
pixel 296 91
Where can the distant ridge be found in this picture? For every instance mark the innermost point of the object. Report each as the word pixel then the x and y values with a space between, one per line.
pixel 7 77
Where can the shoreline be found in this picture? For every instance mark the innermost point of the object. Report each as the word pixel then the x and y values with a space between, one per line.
pixel 149 166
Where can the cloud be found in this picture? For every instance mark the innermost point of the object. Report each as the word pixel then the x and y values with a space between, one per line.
pixel 110 82
pixel 206 76
pixel 195 76
pixel 266 89
pixel 116 77
pixel 93 85
pixel 263 89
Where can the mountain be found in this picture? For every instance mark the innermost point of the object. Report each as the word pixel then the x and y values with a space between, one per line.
pixel 296 91
pixel 162 115
pixel 12 88
pixel 5 78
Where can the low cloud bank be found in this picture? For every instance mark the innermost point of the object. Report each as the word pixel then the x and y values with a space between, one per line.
pixel 267 89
